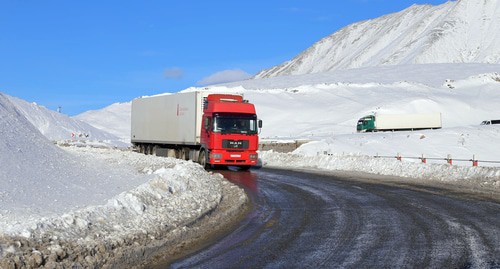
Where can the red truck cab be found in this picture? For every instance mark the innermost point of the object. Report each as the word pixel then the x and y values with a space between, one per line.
pixel 229 132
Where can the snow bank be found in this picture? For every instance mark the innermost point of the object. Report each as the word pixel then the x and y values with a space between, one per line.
pixel 81 206
pixel 473 177
pixel 173 194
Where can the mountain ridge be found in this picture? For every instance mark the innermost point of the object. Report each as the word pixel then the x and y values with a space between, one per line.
pixel 454 32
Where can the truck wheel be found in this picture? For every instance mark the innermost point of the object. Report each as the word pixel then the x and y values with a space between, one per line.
pixel 202 159
pixel 185 154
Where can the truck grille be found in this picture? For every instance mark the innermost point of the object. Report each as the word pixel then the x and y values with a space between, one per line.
pixel 235 144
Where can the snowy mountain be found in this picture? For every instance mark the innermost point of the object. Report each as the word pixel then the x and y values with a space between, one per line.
pixel 464 31
pixel 56 126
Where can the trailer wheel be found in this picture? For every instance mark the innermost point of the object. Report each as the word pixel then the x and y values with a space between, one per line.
pixel 185 153
pixel 202 159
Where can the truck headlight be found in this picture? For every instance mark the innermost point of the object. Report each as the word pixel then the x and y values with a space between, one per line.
pixel 254 156
pixel 215 156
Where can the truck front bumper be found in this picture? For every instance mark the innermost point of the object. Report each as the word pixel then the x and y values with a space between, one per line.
pixel 233 157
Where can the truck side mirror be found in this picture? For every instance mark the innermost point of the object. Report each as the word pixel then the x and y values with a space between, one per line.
pixel 260 123
pixel 206 124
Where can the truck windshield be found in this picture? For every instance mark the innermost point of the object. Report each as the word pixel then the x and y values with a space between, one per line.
pixel 235 124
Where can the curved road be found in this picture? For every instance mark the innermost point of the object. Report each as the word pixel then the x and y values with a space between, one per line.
pixel 303 220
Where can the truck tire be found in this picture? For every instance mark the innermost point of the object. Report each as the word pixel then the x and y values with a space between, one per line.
pixel 185 154
pixel 202 159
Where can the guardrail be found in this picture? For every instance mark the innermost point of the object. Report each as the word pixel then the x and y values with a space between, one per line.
pixel 448 159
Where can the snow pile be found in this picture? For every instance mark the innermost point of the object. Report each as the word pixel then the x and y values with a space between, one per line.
pixel 56 126
pixel 26 157
pixel 461 31
pixel 149 199
pixel 460 144
pixel 79 204
pixel 114 118
pixel 471 177
pixel 172 194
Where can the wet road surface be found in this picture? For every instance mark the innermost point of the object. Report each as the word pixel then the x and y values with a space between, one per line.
pixel 303 220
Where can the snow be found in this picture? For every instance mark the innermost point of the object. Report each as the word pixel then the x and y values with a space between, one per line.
pixel 58 183
pixel 416 172
pixel 324 107
pixel 56 126
pixel 149 193
pixel 45 181
pixel 465 31
pixel 91 194
pixel 111 119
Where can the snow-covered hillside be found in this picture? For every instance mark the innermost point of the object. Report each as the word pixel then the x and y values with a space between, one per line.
pixel 57 126
pixel 464 31
pixel 114 118
pixel 326 106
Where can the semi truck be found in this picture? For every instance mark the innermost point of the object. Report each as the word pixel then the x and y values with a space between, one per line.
pixel 399 122
pixel 212 129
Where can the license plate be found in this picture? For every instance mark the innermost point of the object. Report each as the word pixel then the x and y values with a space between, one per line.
pixel 235 156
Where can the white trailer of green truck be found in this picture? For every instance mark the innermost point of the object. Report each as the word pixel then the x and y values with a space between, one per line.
pixel 399 122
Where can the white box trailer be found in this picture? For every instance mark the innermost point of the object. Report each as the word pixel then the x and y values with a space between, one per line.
pixel 208 128
pixel 168 119
pixel 398 122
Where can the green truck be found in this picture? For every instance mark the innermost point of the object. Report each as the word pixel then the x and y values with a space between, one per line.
pixel 399 122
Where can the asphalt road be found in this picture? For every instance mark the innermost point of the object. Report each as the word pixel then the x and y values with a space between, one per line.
pixel 303 220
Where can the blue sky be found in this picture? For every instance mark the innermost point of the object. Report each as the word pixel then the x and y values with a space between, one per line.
pixel 84 55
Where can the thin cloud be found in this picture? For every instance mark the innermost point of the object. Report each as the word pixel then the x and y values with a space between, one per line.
pixel 173 73
pixel 224 76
